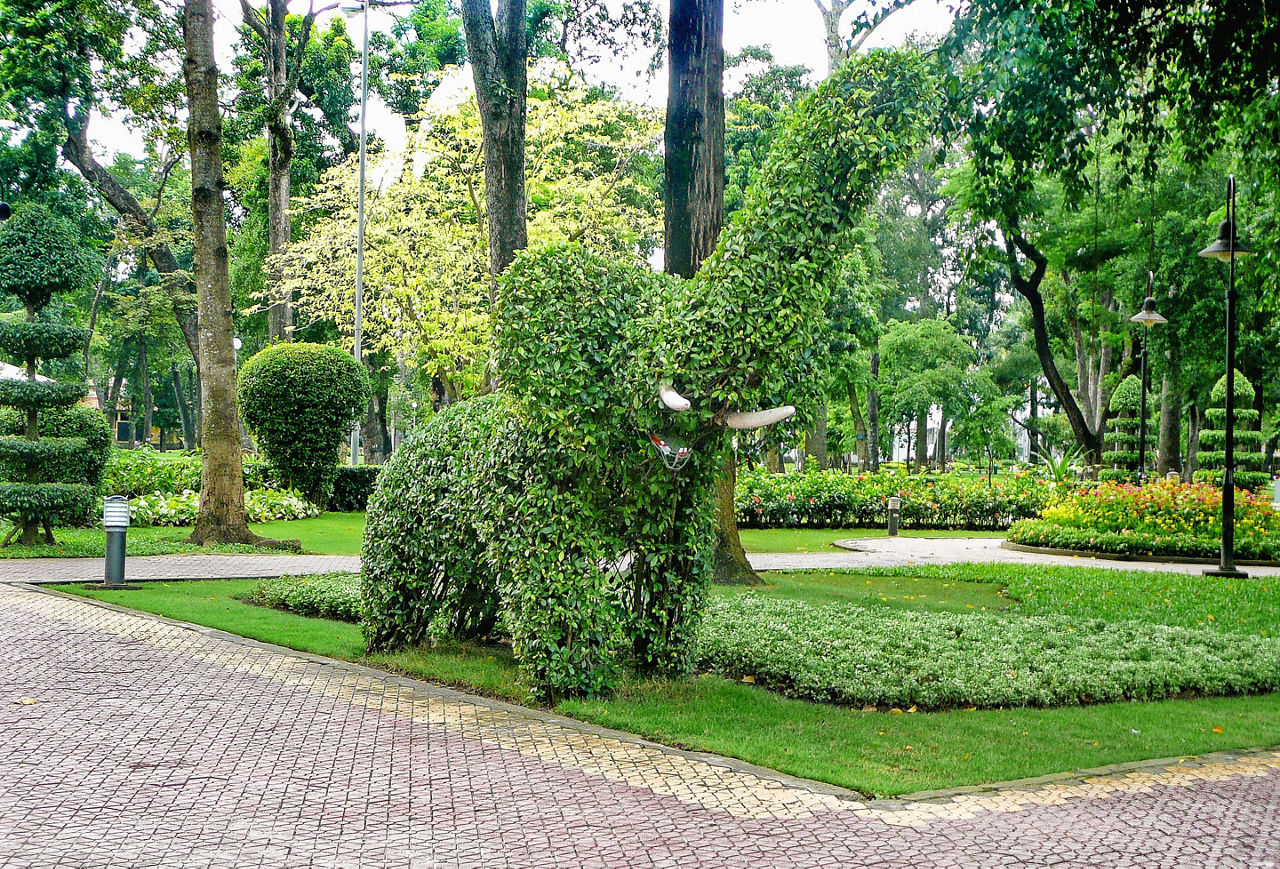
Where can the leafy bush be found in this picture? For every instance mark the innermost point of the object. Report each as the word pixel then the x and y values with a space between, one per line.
pixel 833 499
pixel 352 488
pixel 300 401
pixel 1123 441
pixel 322 595
pixel 1250 460
pixel 134 473
pixel 852 656
pixel 260 505
pixel 1160 518
pixel 85 465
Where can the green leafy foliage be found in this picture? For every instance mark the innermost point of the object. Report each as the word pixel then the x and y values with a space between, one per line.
pixel 40 394
pixel 300 401
pixel 260 505
pixel 34 502
pixel 543 508
pixel 352 488
pixel 943 660
pixel 324 595
pixel 833 499
pixel 22 340
pixel 133 473
pixel 1126 431
pixel 41 255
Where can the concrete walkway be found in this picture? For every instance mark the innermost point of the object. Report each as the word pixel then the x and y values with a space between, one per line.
pixel 861 552
pixel 133 741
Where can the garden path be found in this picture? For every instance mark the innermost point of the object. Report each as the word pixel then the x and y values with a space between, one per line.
pixel 861 552
pixel 131 740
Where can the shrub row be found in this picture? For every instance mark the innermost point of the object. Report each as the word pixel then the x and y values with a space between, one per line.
pixel 260 505
pixel 135 473
pixel 851 656
pixel 833 499
pixel 352 488
pixel 323 595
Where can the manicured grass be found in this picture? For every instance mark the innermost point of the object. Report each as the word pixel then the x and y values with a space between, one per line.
pixel 91 543
pixel 929 594
pixel 1249 606
pixel 821 539
pixel 876 753
pixel 326 534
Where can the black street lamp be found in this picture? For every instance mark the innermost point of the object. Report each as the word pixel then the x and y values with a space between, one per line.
pixel 1148 318
pixel 1227 247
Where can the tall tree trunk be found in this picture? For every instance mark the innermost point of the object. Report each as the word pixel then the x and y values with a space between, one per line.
pixel 693 201
pixel 922 440
pixel 1195 422
pixel 498 50
pixel 940 446
pixel 184 412
pixel 773 460
pixel 815 441
pixel 1168 456
pixel 144 366
pixel 221 517
pixel 1028 286
pixel 861 445
pixel 375 433
pixel 693 206
pixel 281 73
pixel 873 415
pixel 1033 429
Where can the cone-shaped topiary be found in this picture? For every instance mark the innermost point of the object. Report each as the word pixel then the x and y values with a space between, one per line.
pixel 41 256
pixel 299 402
pixel 1250 460
pixel 1126 430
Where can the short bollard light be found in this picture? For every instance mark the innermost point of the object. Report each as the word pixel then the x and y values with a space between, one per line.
pixel 115 521
pixel 895 507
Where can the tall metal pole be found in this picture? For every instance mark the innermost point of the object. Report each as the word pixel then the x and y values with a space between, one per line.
pixel 1226 563
pixel 358 351
pixel 1142 425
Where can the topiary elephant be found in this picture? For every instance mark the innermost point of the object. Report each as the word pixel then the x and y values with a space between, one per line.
pixel 572 508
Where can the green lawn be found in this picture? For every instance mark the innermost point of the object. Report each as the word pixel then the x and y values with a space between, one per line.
pixel 326 534
pixel 873 752
pixel 91 543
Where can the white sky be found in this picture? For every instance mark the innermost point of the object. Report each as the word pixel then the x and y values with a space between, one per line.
pixel 791 29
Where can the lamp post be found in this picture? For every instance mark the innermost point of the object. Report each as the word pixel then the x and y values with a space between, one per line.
pixel 1227 247
pixel 349 9
pixel 1148 318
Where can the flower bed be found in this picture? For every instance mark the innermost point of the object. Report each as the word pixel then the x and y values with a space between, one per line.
pixel 1161 518
pixel 935 660
pixel 833 499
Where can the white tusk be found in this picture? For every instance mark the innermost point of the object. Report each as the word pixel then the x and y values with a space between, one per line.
pixel 758 418
pixel 672 399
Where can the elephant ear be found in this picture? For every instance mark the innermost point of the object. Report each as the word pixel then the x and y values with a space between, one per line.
pixel 564 340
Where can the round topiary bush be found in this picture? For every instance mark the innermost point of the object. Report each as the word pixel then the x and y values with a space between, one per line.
pixel 299 402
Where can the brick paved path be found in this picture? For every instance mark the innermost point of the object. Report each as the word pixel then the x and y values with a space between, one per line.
pixel 153 744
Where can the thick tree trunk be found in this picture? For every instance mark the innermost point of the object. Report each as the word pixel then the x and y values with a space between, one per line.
pixel 221 517
pixel 179 290
pixel 731 565
pixel 922 441
pixel 693 206
pixel 375 433
pixel 280 309
pixel 773 460
pixel 815 441
pixel 498 50
pixel 873 415
pixel 1028 287
pixel 940 446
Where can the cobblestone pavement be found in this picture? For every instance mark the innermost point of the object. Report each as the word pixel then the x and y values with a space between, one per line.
pixel 865 552
pixel 131 741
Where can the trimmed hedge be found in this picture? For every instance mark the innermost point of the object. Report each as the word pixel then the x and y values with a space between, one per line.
pixel 849 655
pixel 61 427
pixel 136 473
pixel 40 394
pixel 834 499
pixel 21 340
pixel 299 402
pixel 352 488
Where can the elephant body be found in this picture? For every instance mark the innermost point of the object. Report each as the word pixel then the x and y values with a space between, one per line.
pixel 543 512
